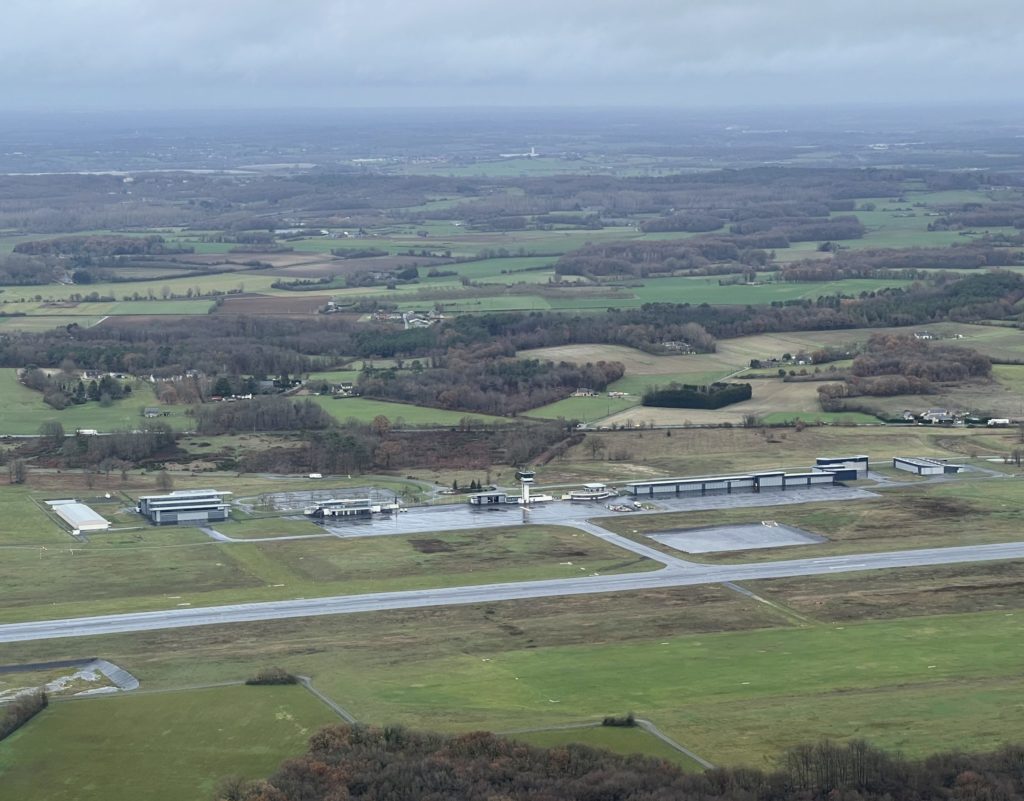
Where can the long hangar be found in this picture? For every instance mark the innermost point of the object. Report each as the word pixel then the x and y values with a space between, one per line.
pixel 826 472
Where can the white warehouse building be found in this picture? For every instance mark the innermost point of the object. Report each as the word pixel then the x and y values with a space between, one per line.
pixel 78 516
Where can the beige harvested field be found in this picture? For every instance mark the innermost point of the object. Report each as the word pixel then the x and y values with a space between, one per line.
pixel 999 342
pixel 696 451
pixel 770 396
pixel 636 361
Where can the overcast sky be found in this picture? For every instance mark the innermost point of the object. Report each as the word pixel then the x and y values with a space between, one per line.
pixel 124 54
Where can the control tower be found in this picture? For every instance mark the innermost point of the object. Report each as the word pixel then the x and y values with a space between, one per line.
pixel 525 478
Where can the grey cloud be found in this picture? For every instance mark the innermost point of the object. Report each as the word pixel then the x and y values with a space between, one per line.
pixel 255 52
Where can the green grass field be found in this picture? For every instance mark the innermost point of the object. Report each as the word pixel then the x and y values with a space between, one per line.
pixel 365 409
pixel 657 290
pixel 152 568
pixel 584 409
pixel 163 747
pixel 736 696
pixel 735 680
pixel 24 410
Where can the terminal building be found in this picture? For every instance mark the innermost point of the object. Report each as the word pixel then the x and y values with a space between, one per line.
pixel 350 507
pixel 925 467
pixel 491 498
pixel 78 516
pixel 188 507
pixel 724 485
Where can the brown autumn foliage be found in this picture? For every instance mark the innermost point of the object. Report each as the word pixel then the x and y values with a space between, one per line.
pixel 359 763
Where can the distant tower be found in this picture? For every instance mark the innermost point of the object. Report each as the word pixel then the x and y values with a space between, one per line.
pixel 525 478
pixel 533 152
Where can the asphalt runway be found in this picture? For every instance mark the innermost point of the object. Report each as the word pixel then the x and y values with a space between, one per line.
pixel 676 574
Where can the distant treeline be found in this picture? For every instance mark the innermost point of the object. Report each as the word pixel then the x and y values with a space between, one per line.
pixel 353 198
pixel 643 259
pixel 101 249
pixel 904 355
pixel 991 295
pixel 891 262
pixel 688 396
pixel 1002 214
pixel 62 390
pixel 21 710
pixel 902 365
pixel 17 269
pixel 360 763
pixel 262 413
pixel 487 379
pixel 470 356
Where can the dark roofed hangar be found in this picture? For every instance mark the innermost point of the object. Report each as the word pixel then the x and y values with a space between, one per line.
pixel 189 507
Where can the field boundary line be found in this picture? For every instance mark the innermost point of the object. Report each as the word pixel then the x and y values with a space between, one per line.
pixel 780 608
pixel 338 709
pixel 641 723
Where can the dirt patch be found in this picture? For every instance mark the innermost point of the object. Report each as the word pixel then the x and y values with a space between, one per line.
pixel 637 361
pixel 568 553
pixel 954 589
pixel 935 507
pixel 432 546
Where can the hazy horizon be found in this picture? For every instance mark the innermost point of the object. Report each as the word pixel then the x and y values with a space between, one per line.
pixel 144 54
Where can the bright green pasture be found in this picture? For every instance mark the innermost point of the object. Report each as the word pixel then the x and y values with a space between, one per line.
pixel 661 290
pixel 918 685
pixel 23 521
pixel 255 281
pixel 585 409
pixel 36 324
pixel 166 746
pixel 24 410
pixel 335 376
pixel 365 409
pixel 1010 376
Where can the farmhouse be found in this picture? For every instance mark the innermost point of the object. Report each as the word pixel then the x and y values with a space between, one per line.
pixel 78 516
pixel 193 507
pixel 719 485
pixel 925 467
pixel 938 417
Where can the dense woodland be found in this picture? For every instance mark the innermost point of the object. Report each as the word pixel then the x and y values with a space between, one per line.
pixel 392 764
pixel 469 363
pixel 486 380
pixel 779 199
pixel 903 365
pixel 687 396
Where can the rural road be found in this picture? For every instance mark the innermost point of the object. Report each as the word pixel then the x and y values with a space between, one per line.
pixel 674 575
